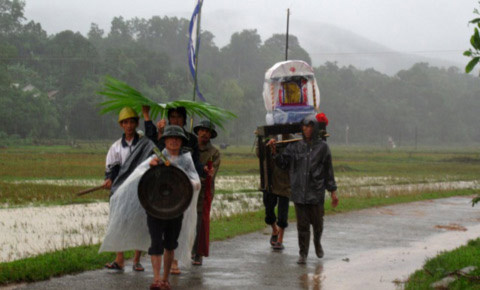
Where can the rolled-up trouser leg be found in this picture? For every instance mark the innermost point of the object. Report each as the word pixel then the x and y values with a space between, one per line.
pixel 317 213
pixel 303 229
pixel 269 201
pixel 283 204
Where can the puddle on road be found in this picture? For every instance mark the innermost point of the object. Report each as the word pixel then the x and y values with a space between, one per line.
pixel 313 281
pixel 378 269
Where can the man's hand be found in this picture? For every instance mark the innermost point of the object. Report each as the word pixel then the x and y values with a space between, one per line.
pixel 334 199
pixel 155 162
pixel 161 125
pixel 146 112
pixel 107 184
pixel 209 171
pixel 273 145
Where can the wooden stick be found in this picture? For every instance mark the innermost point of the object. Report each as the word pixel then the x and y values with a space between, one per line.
pixel 89 190
pixel 293 140
pixel 288 141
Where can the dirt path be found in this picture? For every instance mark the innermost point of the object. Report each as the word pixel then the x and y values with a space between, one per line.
pixel 366 249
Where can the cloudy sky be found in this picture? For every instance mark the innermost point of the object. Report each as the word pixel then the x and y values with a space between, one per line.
pixel 437 28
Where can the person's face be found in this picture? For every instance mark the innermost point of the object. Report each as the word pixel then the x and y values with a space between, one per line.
pixel 204 135
pixel 176 119
pixel 129 126
pixel 173 143
pixel 307 131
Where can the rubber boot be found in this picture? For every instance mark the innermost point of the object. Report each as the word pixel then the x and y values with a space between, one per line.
pixel 303 244
pixel 317 235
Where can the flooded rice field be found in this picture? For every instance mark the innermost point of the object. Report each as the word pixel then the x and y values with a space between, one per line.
pixel 31 231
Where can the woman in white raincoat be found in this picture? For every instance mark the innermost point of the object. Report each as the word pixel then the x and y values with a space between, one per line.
pixel 128 229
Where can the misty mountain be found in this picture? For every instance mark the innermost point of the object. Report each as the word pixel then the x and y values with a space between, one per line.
pixel 324 42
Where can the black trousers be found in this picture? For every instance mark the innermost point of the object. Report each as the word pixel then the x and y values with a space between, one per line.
pixel 270 201
pixel 309 214
pixel 163 234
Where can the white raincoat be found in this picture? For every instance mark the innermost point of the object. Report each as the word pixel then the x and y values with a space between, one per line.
pixel 127 225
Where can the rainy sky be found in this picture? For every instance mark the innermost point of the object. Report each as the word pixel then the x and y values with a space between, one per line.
pixel 437 28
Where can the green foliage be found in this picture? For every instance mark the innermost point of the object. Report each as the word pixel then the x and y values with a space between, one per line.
pixel 121 95
pixel 150 55
pixel 475 200
pixel 447 263
pixel 474 53
pixel 62 262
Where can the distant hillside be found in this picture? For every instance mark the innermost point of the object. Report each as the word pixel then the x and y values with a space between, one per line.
pixel 324 42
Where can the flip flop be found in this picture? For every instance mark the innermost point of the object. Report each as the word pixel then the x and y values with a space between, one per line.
pixel 137 267
pixel 175 271
pixel 114 266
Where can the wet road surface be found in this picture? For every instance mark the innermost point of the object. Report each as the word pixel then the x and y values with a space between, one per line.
pixel 366 249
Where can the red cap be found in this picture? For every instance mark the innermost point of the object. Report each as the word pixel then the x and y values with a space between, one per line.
pixel 322 118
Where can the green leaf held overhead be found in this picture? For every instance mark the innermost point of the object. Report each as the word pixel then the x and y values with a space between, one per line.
pixel 120 95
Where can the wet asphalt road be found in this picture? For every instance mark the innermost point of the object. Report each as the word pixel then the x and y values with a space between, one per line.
pixel 366 249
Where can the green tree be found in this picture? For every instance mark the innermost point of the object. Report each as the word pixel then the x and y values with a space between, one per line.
pixel 11 16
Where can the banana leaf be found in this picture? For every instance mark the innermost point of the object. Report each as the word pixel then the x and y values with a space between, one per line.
pixel 120 95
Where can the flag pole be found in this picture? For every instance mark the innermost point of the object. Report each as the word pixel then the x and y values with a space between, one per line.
pixel 197 47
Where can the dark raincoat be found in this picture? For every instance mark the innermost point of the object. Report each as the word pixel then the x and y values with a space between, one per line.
pixel 310 168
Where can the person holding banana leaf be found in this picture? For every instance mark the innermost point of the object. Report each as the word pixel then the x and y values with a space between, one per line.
pixel 118 95
pixel 176 116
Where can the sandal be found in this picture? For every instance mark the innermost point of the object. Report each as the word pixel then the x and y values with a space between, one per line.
pixel 165 285
pixel 278 246
pixel 137 267
pixel 113 266
pixel 273 239
pixel 175 271
pixel 156 286
pixel 197 260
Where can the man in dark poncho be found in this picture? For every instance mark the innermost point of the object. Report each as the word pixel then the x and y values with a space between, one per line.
pixel 122 158
pixel 311 173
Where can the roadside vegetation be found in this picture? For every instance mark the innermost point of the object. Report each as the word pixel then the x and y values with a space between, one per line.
pixel 448 264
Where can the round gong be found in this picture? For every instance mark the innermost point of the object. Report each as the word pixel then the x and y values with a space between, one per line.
pixel 165 191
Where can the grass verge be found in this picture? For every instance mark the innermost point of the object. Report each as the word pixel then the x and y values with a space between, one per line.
pixel 45 266
pixel 84 258
pixel 447 263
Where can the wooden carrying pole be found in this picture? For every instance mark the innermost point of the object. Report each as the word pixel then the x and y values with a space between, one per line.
pixel 89 190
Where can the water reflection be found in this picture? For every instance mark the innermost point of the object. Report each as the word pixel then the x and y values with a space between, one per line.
pixel 313 281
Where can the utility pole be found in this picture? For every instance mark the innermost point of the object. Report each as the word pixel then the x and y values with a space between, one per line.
pixel 288 25
pixel 416 138
pixel 346 134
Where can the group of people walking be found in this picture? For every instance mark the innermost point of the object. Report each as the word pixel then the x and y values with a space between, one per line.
pixel 130 227
pixel 302 172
